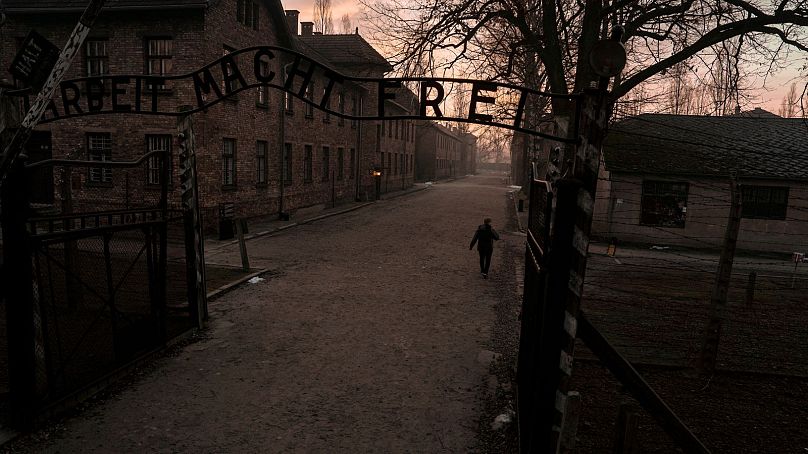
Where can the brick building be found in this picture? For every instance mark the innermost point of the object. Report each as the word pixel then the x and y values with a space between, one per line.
pixel 438 152
pixel 247 144
pixel 393 141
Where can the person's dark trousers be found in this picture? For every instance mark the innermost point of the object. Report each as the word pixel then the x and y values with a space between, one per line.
pixel 485 259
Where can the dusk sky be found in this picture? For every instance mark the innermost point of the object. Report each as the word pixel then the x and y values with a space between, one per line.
pixel 769 98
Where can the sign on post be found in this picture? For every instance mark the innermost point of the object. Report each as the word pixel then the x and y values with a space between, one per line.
pixel 35 60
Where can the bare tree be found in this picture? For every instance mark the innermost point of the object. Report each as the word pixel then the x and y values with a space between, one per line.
pixel 429 36
pixel 346 27
pixel 790 107
pixel 322 17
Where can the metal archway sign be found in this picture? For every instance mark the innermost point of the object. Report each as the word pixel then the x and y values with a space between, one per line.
pixel 248 68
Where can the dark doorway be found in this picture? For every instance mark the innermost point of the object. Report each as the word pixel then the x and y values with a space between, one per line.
pixel 39 148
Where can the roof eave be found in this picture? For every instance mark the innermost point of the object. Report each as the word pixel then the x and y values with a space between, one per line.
pixel 70 10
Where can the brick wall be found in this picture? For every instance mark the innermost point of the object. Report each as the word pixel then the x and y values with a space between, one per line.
pixel 200 37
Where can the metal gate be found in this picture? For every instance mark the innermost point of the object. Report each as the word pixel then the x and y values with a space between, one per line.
pixel 94 282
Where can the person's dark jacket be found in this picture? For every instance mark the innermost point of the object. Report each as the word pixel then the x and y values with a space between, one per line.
pixel 484 237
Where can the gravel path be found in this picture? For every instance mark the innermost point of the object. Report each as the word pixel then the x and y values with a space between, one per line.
pixel 370 334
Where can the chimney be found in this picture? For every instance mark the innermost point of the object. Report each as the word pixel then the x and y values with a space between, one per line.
pixel 291 19
pixel 306 28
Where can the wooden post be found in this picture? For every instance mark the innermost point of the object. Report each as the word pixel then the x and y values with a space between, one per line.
pixel 626 431
pixel 569 432
pixel 718 302
pixel 750 288
pixel 242 244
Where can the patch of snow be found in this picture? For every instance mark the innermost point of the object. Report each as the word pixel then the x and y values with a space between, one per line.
pixel 256 280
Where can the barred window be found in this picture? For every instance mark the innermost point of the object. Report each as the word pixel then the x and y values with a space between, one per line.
pixel 764 202
pixel 229 162
pixel 287 162
pixel 664 203
pixel 263 90
pixel 248 13
pixel 327 116
pixel 307 163
pixel 261 162
pixel 159 144
pixel 159 52
pixel 99 148
pixel 341 107
pixel 353 163
pixel 326 162
pixel 340 163
pixel 354 111
pixel 309 110
pixel 288 102
pixel 95 54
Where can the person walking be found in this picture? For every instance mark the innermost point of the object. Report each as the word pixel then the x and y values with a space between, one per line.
pixel 484 237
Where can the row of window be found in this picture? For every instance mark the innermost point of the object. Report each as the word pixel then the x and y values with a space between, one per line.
pixel 664 203
pixel 308 109
pixel 158 53
pixel 399 129
pixel 446 142
pixel 396 163
pixel 99 148
pixel 261 163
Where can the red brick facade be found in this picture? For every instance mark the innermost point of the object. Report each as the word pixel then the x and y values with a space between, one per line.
pixel 242 143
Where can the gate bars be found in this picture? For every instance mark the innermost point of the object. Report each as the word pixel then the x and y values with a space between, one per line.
pixel 86 293
pixel 555 267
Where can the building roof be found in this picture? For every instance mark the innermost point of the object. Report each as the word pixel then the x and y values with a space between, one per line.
pixel 753 146
pixel 346 50
pixel 80 5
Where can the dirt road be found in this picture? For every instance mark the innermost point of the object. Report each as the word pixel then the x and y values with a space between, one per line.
pixel 372 333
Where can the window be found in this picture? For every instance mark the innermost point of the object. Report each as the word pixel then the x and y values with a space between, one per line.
pixel 288 102
pixel 390 129
pixel 226 50
pixel 379 133
pixel 158 143
pixel 229 162
pixel 382 162
pixel 664 203
pixel 158 57
pixel 99 148
pixel 248 13
pixel 309 108
pixel 402 168
pixel 261 162
pixel 327 116
pixel 340 163
pixel 326 163
pixel 307 164
pixel 764 202
pixel 395 164
pixel 341 107
pixel 354 105
pixel 287 163
pixel 95 54
pixel 396 129
pixel 353 163
pixel 263 90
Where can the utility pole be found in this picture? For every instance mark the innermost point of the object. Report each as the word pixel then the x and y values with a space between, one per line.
pixel 718 301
